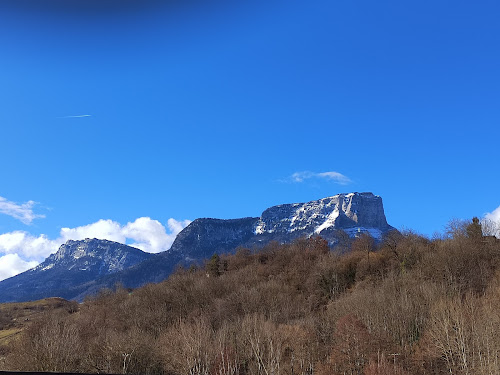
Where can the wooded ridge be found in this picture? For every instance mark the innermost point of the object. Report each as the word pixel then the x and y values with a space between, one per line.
pixel 407 305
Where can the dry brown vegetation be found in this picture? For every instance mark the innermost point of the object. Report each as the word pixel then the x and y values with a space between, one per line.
pixel 15 317
pixel 409 305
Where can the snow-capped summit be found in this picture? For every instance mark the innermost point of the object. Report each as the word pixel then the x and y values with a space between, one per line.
pixel 93 255
pixel 74 265
pixel 353 213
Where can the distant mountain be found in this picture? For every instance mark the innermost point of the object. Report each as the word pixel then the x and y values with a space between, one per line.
pixel 354 213
pixel 82 274
pixel 67 272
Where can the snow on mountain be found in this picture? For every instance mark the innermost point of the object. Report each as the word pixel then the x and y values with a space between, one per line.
pixel 355 213
pixel 76 263
pixel 80 268
pixel 363 211
pixel 93 255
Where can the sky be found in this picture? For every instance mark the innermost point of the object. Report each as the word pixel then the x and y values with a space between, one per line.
pixel 126 120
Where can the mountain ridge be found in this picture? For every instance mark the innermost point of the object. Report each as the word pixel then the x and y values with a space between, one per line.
pixel 354 213
pixel 66 272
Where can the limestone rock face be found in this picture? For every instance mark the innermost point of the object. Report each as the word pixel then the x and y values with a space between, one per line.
pixel 203 237
pixel 354 213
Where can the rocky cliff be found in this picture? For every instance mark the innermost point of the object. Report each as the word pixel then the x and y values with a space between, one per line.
pixel 354 213
pixel 81 268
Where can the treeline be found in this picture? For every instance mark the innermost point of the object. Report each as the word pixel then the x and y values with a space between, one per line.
pixel 409 305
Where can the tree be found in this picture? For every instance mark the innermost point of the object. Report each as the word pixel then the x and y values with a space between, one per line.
pixel 343 244
pixel 213 266
pixel 352 346
pixel 51 344
pixel 456 228
pixel 490 227
pixel 474 229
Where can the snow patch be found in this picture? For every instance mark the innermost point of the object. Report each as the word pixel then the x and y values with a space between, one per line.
pixel 47 267
pixel 260 228
pixel 356 231
pixel 329 222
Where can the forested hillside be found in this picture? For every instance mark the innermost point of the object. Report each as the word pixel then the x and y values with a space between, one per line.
pixel 409 305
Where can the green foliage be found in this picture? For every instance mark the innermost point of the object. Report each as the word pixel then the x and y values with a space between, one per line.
pixel 214 266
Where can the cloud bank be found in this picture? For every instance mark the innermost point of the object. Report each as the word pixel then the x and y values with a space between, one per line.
pixel 336 177
pixel 12 264
pixel 23 212
pixel 19 250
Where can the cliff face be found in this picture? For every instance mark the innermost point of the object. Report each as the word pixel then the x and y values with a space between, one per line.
pixel 203 237
pixel 354 213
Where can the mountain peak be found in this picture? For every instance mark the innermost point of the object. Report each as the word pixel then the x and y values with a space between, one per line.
pixel 91 247
pixel 108 256
pixel 353 212
pixel 75 264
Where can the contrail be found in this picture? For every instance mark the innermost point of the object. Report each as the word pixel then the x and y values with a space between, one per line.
pixel 77 116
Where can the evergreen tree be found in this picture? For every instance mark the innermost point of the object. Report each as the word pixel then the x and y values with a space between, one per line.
pixel 213 266
pixel 474 229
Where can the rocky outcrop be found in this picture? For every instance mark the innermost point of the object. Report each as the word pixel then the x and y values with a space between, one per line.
pixel 67 272
pixel 201 238
pixel 354 213
pixel 101 257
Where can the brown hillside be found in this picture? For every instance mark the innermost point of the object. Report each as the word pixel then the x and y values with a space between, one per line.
pixel 407 306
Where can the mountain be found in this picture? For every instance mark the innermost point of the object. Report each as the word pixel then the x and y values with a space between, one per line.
pixel 67 272
pixel 354 213
pixel 81 268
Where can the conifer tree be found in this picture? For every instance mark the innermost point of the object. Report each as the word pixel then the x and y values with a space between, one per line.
pixel 213 266
pixel 474 229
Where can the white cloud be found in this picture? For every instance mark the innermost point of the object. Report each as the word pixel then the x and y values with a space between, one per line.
pixel 76 116
pixel 336 177
pixel 12 264
pixel 150 235
pixel 144 233
pixel 494 215
pixel 102 229
pixel 23 212
pixel 493 222
pixel 31 247
pixel 176 226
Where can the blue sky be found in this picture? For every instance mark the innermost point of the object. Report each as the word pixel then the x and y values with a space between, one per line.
pixel 207 109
